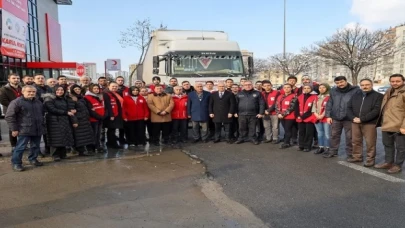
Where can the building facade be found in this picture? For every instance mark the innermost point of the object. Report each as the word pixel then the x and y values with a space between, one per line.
pixel 38 21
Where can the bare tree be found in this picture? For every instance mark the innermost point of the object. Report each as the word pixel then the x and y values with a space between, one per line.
pixel 292 64
pixel 261 65
pixel 356 48
pixel 138 35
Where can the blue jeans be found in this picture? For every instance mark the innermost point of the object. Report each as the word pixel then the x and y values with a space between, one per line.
pixel 22 142
pixel 323 130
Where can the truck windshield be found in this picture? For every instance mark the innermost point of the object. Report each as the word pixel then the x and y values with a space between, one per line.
pixel 207 66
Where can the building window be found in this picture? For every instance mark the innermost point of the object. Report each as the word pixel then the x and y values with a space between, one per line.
pixel 402 65
pixel 33 41
pixel 401 71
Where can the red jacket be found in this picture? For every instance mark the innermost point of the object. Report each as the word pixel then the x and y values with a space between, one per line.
pixel 179 111
pixel 305 108
pixel 286 106
pixel 271 101
pixel 135 110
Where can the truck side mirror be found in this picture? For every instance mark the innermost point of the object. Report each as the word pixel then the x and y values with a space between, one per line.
pixel 155 61
pixel 168 66
pixel 250 64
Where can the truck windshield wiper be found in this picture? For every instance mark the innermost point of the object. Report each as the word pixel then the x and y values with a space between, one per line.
pixel 198 74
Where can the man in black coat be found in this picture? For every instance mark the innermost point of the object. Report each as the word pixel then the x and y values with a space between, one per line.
pixel 25 119
pixel 363 109
pixel 250 108
pixel 222 108
pixel 8 93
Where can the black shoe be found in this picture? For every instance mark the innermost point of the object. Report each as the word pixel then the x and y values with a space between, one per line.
pixel 56 158
pixel 255 142
pixel 320 150
pixel 36 163
pixel 305 150
pixel 276 141
pixel 205 140
pixel 18 168
pixel 1 155
pixel 300 149
pixel 238 142
pixel 329 154
pixel 285 146
pixel 195 141
pixel 217 141
pixel 267 141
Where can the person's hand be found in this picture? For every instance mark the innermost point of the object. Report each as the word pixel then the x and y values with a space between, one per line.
pixel 146 118
pixel 236 115
pixel 75 125
pixel 162 113
pixel 329 120
pixel 70 114
pixel 280 116
pixel 259 116
pixel 189 117
pixel 356 120
pixel 14 133
pixel 402 130
pixel 230 115
pixel 266 112
pixel 73 111
pixel 125 120
pixel 212 115
pixel 111 118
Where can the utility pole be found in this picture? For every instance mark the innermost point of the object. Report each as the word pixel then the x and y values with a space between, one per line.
pixel 284 57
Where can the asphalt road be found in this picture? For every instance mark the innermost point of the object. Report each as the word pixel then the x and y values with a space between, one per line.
pixel 289 188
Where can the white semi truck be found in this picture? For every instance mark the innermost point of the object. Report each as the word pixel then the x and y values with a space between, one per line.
pixel 194 56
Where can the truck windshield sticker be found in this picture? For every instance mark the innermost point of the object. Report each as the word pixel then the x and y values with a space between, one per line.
pixel 205 62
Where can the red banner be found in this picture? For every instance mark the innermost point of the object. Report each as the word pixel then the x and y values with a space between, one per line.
pixel 18 8
pixel 13 35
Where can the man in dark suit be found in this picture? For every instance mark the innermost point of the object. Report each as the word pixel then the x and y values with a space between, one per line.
pixel 222 108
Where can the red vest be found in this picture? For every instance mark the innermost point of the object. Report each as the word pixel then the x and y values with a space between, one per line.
pixel 271 99
pixel 323 107
pixel 305 107
pixel 98 106
pixel 284 103
pixel 114 105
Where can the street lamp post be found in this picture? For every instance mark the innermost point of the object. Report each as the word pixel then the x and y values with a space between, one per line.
pixel 284 43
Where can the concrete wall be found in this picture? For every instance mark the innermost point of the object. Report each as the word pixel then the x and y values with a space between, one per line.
pixel 50 7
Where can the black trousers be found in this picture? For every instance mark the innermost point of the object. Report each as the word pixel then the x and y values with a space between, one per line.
pixel 179 130
pixel 111 137
pixel 211 129
pixel 234 129
pixel 288 126
pixel 306 135
pixel 13 140
pixel 260 129
pixel 58 152
pixel 122 135
pixel 97 133
pixel 247 128
pixel 218 130
pixel 394 141
pixel 294 133
pixel 135 132
pixel 163 128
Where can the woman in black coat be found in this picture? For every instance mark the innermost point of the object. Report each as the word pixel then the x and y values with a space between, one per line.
pixel 113 121
pixel 60 119
pixel 83 133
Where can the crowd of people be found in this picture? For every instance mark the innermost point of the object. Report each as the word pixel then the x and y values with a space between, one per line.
pixel 83 116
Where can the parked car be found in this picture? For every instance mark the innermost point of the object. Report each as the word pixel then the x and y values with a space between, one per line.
pixel 383 89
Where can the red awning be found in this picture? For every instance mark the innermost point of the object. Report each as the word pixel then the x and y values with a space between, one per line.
pixel 53 65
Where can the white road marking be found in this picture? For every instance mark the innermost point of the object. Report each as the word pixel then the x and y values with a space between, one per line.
pixel 372 172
